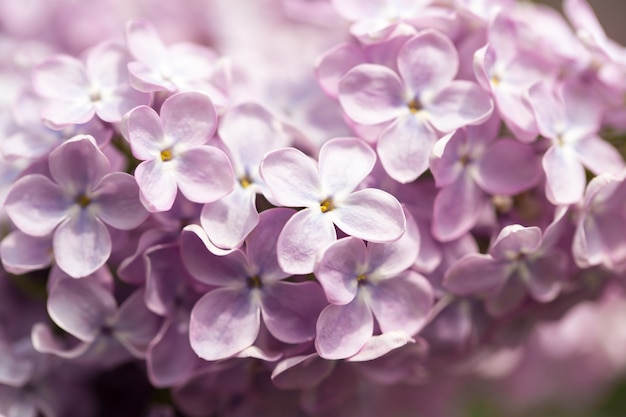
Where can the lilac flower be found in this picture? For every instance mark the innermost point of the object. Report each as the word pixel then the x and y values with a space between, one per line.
pixel 470 164
pixel 180 67
pixel 173 148
pixel 87 311
pixel 423 100
pixel 76 90
pixel 599 238
pixel 518 262
pixel 326 190
pixel 570 117
pixel 362 282
pixel 227 320
pixel 248 131
pixel 81 198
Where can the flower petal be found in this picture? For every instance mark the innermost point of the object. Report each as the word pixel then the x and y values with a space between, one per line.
pixel 22 253
pixel 204 174
pixel 224 322
pixel 142 128
pixel 82 244
pixel 459 104
pixel 476 274
pixel 565 175
pixel 338 267
pixel 344 163
pixel 77 165
pixel 343 330
pixel 157 185
pixel 371 214
pixel 189 118
pixel 117 199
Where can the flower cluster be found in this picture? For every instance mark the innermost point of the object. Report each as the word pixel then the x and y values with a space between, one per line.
pixel 264 242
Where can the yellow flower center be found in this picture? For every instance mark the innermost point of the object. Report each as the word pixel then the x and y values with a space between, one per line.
pixel 166 155
pixel 83 201
pixel 326 205
pixel 415 106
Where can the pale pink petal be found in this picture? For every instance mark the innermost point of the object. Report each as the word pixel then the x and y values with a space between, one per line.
pixel 565 175
pixel 371 214
pixel 290 310
pixel 305 233
pixel 106 65
pixel 144 43
pixel 63 113
pixel 405 146
pixel 401 303
pixel 457 208
pixel 510 296
pixel 189 118
pixel 515 239
pixel 428 61
pixel 117 201
pixel 112 108
pixel 476 274
pixel 292 177
pixel 157 185
pixel 301 372
pixel 145 79
pixel 599 156
pixel 142 128
pixel 338 267
pixel 223 323
pixel 379 345
pixel 389 259
pixel 22 253
pixel 334 63
pixel 344 163
pixel 135 326
pixel 343 330
pixel 507 167
pixel 191 63
pixel 61 77
pixel 81 307
pixel 228 221
pixel 358 9
pixel 36 205
pixel 262 241
pixel 81 244
pixel 78 164
pixel 250 131
pixel 204 174
pixel 548 110
pixel 170 359
pixel 546 276
pixel 459 104
pixel 372 94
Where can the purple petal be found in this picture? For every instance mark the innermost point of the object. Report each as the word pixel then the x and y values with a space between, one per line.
pixel 371 214
pixel 228 221
pixel 372 94
pixel 343 330
pixel 548 110
pixel 459 104
pixel 166 276
pixel 77 165
pixel 81 307
pixel 142 128
pixel 82 244
pixel 301 372
pixel 292 177
pixel 507 167
pixel 262 241
pixel 157 185
pixel 405 146
pixel 546 276
pixel 189 118
pixel 379 345
pixel 338 267
pixel 204 174
pixel 303 236
pixel 170 359
pixel 61 76
pixel 290 310
pixel 401 303
pixel 344 163
pixel 428 61
pixel 117 199
pixel 333 64
pixel 44 341
pixel 389 259
pixel 599 156
pixel 249 131
pixel 565 175
pixel 510 296
pixel 515 239
pixel 457 208
pixel 227 270
pixel 135 326
pixel 223 323
pixel 476 274
pixel 36 205
pixel 22 253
